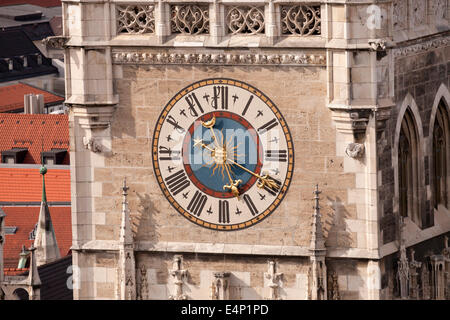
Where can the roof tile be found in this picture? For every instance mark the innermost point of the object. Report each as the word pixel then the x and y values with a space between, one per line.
pixel 12 96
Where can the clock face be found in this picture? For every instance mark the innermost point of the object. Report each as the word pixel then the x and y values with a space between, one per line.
pixel 222 154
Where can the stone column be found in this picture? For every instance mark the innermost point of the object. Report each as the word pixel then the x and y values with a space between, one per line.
pixel 220 286
pixel 274 278
pixel 178 276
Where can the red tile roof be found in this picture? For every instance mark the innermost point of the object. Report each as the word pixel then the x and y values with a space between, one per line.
pixel 25 218
pixel 36 132
pixel 11 97
pixel 14 271
pixel 25 185
pixel 42 3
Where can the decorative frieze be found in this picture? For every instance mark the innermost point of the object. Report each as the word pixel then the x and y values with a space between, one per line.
pixel 420 47
pixel 136 19
pixel 189 19
pixel 301 20
pixel 217 58
pixel 245 20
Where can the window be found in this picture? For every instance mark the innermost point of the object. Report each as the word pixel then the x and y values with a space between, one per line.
pixel 54 156
pixel 408 169
pixel 440 156
pixel 14 155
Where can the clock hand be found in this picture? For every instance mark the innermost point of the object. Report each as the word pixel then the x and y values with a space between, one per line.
pixel 265 180
pixel 233 186
pixel 210 124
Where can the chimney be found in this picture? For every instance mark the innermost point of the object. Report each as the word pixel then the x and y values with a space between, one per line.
pixel 33 104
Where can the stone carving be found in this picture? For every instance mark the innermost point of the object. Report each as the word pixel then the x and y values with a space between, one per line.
pixel 220 286
pixel 418 48
pixel 425 280
pixel 418 12
pixel 55 42
pixel 91 144
pixel 136 19
pixel 178 275
pixel 400 18
pixel 333 287
pixel 413 277
pixel 245 19
pixel 300 20
pixel 402 264
pixel 190 19
pixel 355 150
pixel 274 279
pixel 378 45
pixel 143 286
pixel 218 58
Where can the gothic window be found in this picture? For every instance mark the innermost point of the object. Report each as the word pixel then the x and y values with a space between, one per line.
pixel 408 169
pixel 440 156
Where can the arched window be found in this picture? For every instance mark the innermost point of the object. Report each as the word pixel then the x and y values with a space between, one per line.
pixel 408 169
pixel 440 156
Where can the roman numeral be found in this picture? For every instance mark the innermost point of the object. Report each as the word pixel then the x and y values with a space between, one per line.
pixel 175 124
pixel 269 125
pixel 271 191
pixel 224 211
pixel 250 204
pixel 177 182
pixel 192 101
pixel 220 93
pixel 197 203
pixel 276 155
pixel 168 154
pixel 247 105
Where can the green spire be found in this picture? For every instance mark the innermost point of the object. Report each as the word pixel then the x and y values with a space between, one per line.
pixel 43 171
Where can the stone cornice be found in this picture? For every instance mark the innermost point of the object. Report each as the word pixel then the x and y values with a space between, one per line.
pixel 218 58
pixel 421 47
pixel 228 249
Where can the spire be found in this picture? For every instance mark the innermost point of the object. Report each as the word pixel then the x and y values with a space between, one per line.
pixel 45 242
pixel 33 280
pixel 126 236
pixel 127 289
pixel 317 239
pixel 23 258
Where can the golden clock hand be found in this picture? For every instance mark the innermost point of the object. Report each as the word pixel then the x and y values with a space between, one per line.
pixel 210 124
pixel 200 142
pixel 265 180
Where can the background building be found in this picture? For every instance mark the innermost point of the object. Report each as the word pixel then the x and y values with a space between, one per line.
pixel 363 89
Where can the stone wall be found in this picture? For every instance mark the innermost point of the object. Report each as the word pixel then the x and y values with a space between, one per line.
pixel 299 93
pixel 418 77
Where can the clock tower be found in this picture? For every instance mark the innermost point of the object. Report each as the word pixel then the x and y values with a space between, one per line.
pixel 233 123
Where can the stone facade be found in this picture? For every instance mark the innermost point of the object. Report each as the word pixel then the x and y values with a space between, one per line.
pixel 342 79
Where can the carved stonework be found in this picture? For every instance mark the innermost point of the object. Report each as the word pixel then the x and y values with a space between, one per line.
pixel 143 285
pixel 424 46
pixel 55 42
pixel 136 19
pixel 300 20
pixel 218 58
pixel 355 150
pixel 190 19
pixel 413 277
pixel 274 278
pixel 220 286
pixel 333 287
pixel 245 20
pixel 178 276
pixel 400 18
pixel 425 280
pixel 91 144
pixel 418 13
